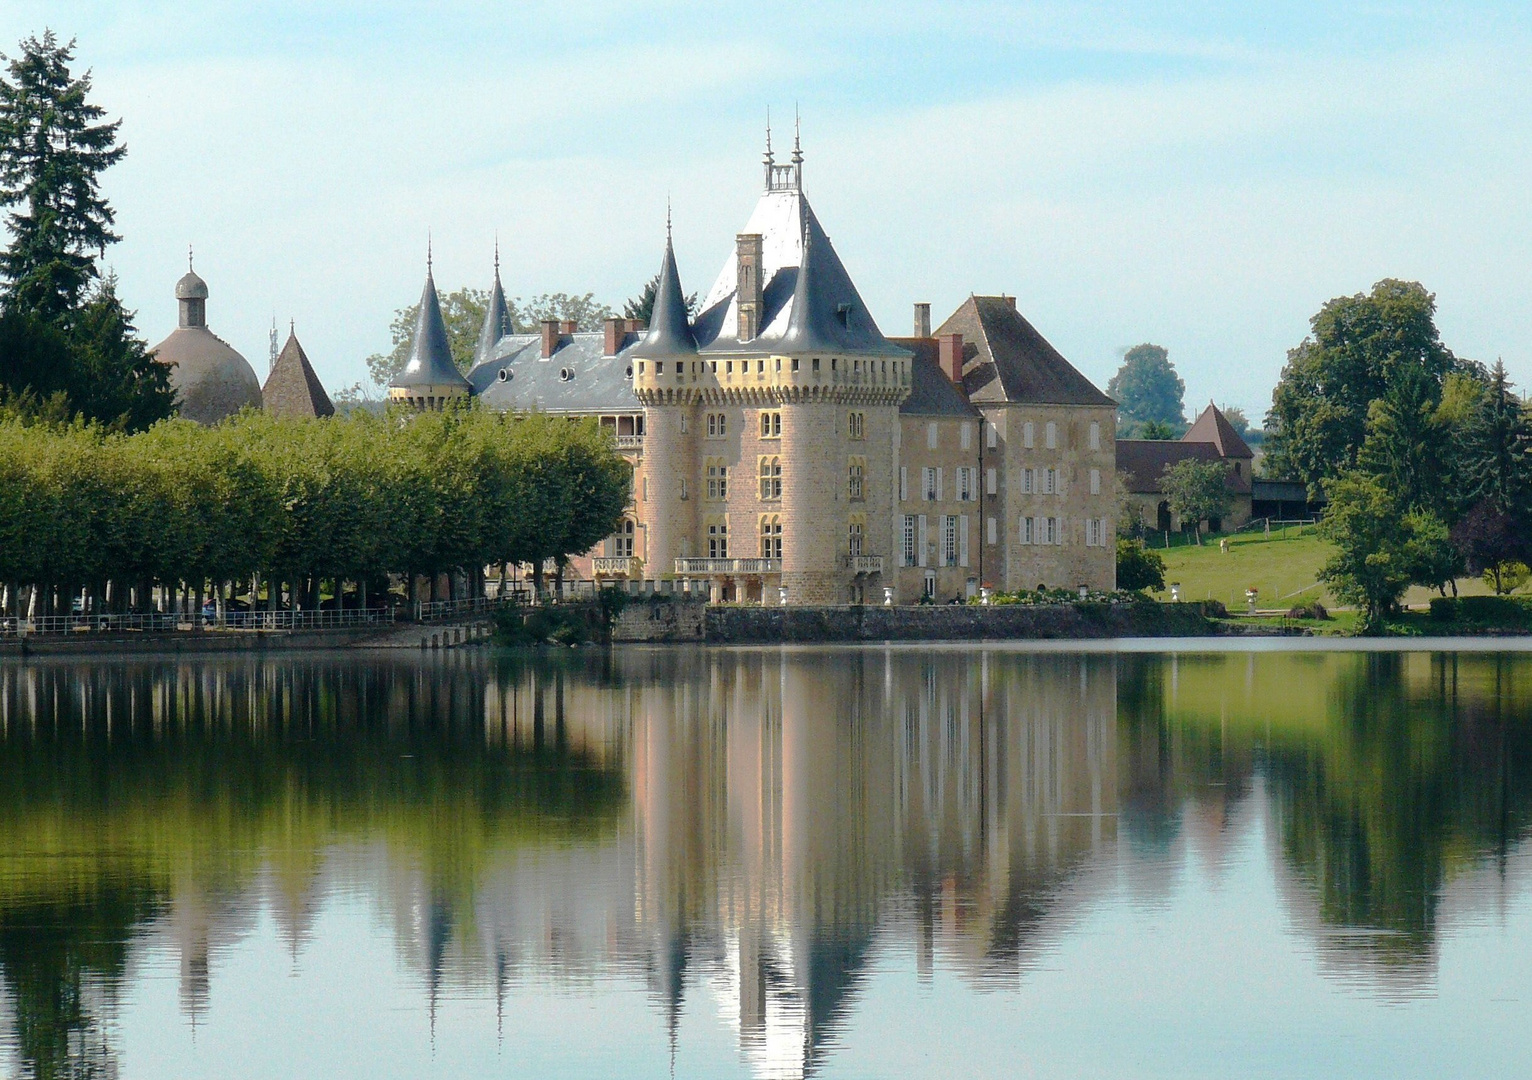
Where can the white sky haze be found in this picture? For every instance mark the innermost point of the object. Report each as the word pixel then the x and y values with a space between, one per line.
pixel 1197 175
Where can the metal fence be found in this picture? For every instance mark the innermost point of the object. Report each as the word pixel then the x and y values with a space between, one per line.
pixel 170 622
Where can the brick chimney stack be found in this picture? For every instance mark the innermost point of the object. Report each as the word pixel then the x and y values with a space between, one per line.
pixel 550 337
pixel 949 355
pixel 616 333
pixel 568 327
pixel 748 286
pixel 922 320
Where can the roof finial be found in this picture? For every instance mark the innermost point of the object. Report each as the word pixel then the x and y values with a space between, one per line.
pixel 797 150
pixel 292 327
pixel 497 254
pixel 428 252
pixel 667 219
pixel 189 269
pixel 768 133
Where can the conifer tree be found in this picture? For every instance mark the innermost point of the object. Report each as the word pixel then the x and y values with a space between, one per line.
pixel 1497 455
pixel 53 148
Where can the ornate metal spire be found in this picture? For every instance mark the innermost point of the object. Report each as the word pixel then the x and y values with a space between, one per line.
pixel 797 151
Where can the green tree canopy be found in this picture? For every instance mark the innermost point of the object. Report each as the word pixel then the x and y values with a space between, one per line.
pixel 1359 346
pixel 1147 387
pixel 1138 567
pixel 1197 491
pixel 1496 452
pixel 1371 566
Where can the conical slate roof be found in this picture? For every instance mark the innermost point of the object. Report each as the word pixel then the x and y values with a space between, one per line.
pixel 1214 427
pixel 670 333
pixel 497 321
pixel 430 362
pixel 292 389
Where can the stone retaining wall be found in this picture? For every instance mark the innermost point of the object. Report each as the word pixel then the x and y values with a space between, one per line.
pixel 688 621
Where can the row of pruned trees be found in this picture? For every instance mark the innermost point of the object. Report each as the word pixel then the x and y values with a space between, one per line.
pixel 294 504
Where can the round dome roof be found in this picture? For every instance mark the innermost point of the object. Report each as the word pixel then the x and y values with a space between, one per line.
pixel 211 380
pixel 191 287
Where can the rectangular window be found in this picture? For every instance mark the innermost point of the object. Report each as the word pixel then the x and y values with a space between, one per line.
pixel 1095 481
pixel 1095 435
pixel 922 543
pixel 965 491
pixel 1027 479
pixel 939 485
pixel 856 425
pixel 989 481
pixel 1052 435
pixel 907 542
pixel 1092 532
pixel 965 438
pixel 683 423
pixel 1050 481
pixel 795 363
pixel 928 484
pixel 771 424
pixel 1053 531
pixel 683 488
pixel 718 539
pixel 771 478
pixel 1028 435
pixel 854 476
pixel 991 436
pixel 646 489
pixel 717 480
pixel 949 540
pixel 989 530
pixel 963 540
pixel 904 483
pixel 1026 531
pixel 931 436
pixel 854 539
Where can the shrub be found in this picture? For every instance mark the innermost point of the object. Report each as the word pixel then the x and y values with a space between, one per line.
pixel 1138 567
pixel 1214 609
pixel 1497 610
pixel 1444 608
pixel 1312 610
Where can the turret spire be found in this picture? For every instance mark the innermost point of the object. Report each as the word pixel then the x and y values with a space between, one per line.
pixel 670 331
pixel 497 317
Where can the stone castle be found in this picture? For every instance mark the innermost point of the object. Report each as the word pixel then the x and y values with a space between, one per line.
pixel 786 452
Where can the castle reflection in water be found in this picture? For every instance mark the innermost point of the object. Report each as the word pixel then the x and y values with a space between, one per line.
pixel 741 830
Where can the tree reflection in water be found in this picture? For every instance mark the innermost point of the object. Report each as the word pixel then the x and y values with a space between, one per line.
pixel 760 821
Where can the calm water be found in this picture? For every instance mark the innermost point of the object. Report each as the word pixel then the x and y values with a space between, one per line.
pixel 855 862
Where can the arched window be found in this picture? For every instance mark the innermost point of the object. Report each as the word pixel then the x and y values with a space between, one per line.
pixel 623 546
pixel 771 478
pixel 854 537
pixel 771 537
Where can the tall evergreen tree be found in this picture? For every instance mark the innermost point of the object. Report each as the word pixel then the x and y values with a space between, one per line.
pixel 1404 436
pixel 1497 452
pixel 53 148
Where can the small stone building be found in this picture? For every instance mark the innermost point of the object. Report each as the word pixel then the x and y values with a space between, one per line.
pixel 293 390
pixel 1211 438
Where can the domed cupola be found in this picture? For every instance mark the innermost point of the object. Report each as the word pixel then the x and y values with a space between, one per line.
pixel 212 381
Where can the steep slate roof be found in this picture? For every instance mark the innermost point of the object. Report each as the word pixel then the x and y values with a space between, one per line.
pixel 595 383
pixel 497 320
pixel 823 312
pixel 1145 461
pixel 430 362
pixel 931 392
pixel 292 388
pixel 669 332
pixel 1012 362
pixel 1214 427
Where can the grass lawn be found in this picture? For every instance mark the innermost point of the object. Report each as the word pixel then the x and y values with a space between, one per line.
pixel 1284 567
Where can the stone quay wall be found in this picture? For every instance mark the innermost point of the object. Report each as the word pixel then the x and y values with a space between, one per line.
pixel 726 624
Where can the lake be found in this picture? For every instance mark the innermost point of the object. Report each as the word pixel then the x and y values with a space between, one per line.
pixel 841 862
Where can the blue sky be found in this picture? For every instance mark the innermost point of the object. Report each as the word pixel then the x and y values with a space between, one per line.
pixel 1202 176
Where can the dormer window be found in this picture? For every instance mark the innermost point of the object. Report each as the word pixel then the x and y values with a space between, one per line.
pixel 843 313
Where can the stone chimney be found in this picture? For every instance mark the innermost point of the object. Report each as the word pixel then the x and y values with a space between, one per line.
pixel 550 337
pixel 748 285
pixel 1009 300
pixel 635 326
pixel 616 333
pixel 568 327
pixel 922 320
pixel 949 356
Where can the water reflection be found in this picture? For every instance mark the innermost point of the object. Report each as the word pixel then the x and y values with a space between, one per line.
pixel 739 830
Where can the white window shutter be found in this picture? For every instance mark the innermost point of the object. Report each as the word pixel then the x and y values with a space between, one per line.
pixel 963 540
pixel 920 542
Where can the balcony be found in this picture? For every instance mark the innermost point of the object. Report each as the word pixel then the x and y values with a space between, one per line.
pixel 700 567
pixel 614 566
pixel 864 564
pixel 630 442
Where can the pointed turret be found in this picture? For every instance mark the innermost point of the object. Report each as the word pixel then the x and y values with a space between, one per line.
pixel 497 319
pixel 670 331
pixel 429 377
pixel 293 389
pixel 821 317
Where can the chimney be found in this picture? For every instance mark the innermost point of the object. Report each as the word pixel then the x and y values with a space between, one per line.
pixel 1009 300
pixel 949 356
pixel 634 326
pixel 550 337
pixel 748 285
pixel 568 327
pixel 922 320
pixel 616 333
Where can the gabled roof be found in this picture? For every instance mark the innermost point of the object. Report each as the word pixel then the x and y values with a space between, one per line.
pixel 1145 462
pixel 822 312
pixel 1012 362
pixel 669 334
pixel 931 392
pixel 497 320
pixel 1214 427
pixel 430 362
pixel 292 389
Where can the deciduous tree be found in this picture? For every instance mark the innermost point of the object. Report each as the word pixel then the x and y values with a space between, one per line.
pixel 1147 387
